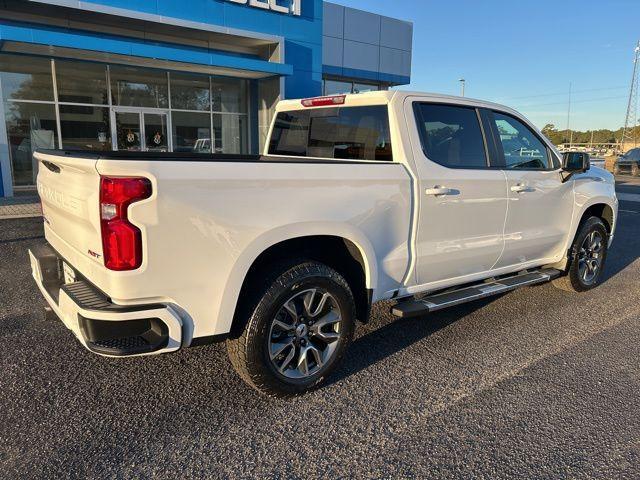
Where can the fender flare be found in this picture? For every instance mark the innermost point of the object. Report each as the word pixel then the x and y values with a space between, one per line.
pixel 582 209
pixel 278 235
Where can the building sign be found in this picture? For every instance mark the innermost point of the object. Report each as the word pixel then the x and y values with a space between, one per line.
pixel 292 7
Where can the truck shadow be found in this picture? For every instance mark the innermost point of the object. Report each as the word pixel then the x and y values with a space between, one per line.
pixel 397 335
pixel 387 336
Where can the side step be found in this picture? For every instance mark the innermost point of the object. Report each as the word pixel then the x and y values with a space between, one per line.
pixel 433 303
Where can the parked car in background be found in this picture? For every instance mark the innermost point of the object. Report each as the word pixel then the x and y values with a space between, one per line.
pixel 427 200
pixel 629 162
pixel 597 161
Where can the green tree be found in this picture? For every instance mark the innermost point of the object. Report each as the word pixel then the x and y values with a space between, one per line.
pixel 552 133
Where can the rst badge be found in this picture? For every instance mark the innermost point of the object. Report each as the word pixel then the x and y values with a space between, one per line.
pixel 282 6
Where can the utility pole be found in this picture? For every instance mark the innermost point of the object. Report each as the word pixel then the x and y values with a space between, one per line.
pixel 569 118
pixel 462 83
pixel 629 134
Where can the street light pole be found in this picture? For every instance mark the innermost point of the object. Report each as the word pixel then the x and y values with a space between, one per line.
pixel 462 83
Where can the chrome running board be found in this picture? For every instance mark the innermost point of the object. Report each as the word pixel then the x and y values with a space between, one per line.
pixel 433 303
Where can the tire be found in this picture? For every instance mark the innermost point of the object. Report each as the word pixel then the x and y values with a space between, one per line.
pixel 616 169
pixel 635 171
pixel 582 274
pixel 292 340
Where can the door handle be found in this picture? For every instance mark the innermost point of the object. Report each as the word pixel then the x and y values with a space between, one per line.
pixel 437 191
pixel 521 188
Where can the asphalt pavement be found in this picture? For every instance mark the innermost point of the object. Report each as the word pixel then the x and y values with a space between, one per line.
pixel 538 383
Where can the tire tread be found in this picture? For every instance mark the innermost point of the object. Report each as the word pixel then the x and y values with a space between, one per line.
pixel 570 281
pixel 242 351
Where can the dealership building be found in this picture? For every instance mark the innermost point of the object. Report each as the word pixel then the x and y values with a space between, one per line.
pixel 176 75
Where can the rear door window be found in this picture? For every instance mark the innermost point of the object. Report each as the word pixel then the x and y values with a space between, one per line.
pixel 451 135
pixel 345 133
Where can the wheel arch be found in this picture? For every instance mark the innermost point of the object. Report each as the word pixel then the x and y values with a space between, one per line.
pixel 603 211
pixel 604 208
pixel 347 251
pixel 600 208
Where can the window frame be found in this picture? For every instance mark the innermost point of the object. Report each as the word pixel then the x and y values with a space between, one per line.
pixel 491 153
pixel 554 163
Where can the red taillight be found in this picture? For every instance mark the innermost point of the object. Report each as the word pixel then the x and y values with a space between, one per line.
pixel 121 240
pixel 324 101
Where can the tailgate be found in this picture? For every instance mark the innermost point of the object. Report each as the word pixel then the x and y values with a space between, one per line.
pixel 69 188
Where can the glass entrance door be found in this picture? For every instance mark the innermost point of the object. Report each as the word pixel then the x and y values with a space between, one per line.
pixel 128 133
pixel 155 132
pixel 137 130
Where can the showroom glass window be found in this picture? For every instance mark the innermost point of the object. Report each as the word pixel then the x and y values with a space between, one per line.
pixel 95 106
pixel 364 87
pixel 139 87
pixel 83 105
pixel 209 114
pixel 190 92
pixel 337 87
pixel 29 110
pixel 334 87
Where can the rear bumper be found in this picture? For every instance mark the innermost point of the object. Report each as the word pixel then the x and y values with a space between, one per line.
pixel 101 326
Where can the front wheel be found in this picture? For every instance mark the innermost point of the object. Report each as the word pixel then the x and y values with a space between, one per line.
pixel 297 332
pixel 587 257
pixel 635 171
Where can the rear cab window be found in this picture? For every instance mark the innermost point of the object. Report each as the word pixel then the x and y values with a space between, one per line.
pixel 341 133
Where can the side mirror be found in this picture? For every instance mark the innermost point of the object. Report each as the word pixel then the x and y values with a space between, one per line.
pixel 576 162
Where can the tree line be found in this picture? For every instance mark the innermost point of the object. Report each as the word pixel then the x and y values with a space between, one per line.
pixel 559 137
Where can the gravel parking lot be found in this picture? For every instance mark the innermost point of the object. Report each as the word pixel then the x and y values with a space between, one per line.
pixel 539 383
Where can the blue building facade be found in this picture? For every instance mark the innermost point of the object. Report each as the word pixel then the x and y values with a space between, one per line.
pixel 176 75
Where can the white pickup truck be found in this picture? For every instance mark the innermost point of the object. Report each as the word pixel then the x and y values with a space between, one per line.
pixel 428 200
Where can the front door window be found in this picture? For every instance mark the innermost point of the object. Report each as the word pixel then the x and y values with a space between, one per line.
pixel 523 150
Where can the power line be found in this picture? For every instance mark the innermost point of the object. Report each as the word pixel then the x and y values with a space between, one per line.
pixel 572 101
pixel 564 93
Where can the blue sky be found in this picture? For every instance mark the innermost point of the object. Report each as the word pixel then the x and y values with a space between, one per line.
pixel 524 53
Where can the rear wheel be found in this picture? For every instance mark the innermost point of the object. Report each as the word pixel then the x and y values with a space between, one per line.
pixel 587 257
pixel 635 171
pixel 297 332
